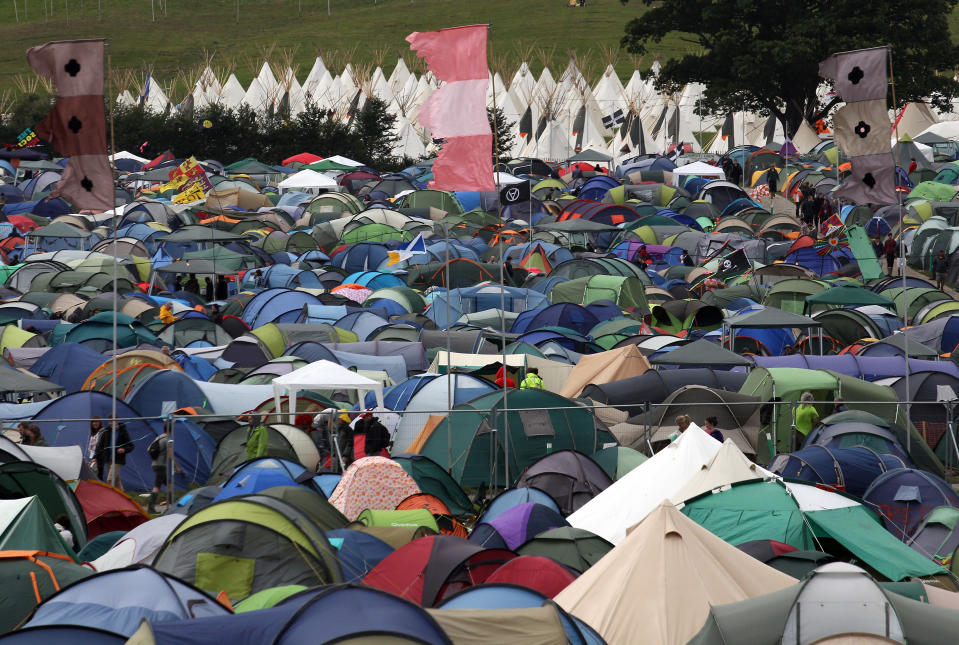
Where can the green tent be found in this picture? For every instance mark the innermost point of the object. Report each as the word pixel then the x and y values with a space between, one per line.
pixel 311 504
pixel 21 479
pixel 616 461
pixel 245 545
pixel 30 577
pixel 415 517
pixel 933 191
pixel 375 233
pixel 26 526
pixel 626 292
pixel 848 295
pixel 791 294
pixel 575 548
pixel 433 480
pixel 493 438
pixel 799 514
pixel 267 598
pixel 440 199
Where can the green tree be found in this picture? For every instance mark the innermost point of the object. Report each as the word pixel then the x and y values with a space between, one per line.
pixel 502 134
pixel 764 56
pixel 372 137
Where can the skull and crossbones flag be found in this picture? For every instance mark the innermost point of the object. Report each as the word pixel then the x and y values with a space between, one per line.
pixel 861 78
pixel 76 126
pixel 736 263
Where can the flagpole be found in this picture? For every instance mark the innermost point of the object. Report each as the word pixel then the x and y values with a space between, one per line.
pixel 902 263
pixel 116 303
pixel 502 280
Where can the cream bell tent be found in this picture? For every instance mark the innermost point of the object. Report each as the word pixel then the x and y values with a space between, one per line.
pixel 658 584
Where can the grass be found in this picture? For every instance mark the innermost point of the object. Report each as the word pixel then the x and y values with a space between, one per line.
pixel 192 32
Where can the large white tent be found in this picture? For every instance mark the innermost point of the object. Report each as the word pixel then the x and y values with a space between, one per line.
pixel 696 169
pixel 322 375
pixel 307 181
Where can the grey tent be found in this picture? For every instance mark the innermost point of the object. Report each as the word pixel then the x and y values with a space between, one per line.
pixel 59 229
pixel 914 348
pixel 702 353
pixel 836 599
pixel 197 267
pixel 189 234
pixel 591 156
pixel 14 382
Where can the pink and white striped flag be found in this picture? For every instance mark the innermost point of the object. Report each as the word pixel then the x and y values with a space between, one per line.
pixel 456 112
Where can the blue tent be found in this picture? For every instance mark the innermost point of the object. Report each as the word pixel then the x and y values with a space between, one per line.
pixel 277 306
pixel 514 497
pixel 162 386
pixel 374 280
pixel 903 497
pixel 514 526
pixel 849 469
pixel 358 552
pixel 283 275
pixel 365 256
pixel 260 474
pixel 65 422
pixel 324 615
pixel 56 634
pixel 68 364
pixel 507 596
pixel 194 366
pixel 562 314
pixel 116 601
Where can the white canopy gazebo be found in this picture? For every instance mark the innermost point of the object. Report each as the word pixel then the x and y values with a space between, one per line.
pixel 307 181
pixel 322 375
pixel 696 169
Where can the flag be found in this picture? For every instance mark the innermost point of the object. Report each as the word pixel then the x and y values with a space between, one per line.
pixel 76 126
pixel 873 181
pixel 526 123
pixel 411 249
pixel 862 128
pixel 514 193
pixel 145 91
pixel 832 222
pixel 27 138
pixel 728 132
pixel 734 264
pixel 613 119
pixel 860 75
pixel 456 111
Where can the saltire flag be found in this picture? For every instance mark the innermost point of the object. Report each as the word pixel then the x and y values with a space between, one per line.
pixel 413 248
pixel 76 126
pixel 861 79
pixel 734 264
pixel 456 112
pixel 526 123
pixel 514 193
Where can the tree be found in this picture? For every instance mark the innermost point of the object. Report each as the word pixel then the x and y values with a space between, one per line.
pixel 372 136
pixel 764 56
pixel 502 134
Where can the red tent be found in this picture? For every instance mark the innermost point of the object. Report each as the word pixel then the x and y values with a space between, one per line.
pixel 535 572
pixel 304 158
pixel 107 509
pixel 429 569
pixel 163 157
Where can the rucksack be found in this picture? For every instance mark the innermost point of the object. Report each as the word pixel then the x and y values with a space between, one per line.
pixel 154 449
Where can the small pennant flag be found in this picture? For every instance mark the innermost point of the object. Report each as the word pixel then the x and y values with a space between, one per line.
pixel 411 249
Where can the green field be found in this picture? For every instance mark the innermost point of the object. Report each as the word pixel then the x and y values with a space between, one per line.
pixel 179 42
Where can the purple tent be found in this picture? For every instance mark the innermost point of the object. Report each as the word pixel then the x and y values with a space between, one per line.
pixel 870 368
pixel 516 525
pixel 787 148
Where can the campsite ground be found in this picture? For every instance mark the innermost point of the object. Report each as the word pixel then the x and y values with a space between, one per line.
pixel 363 32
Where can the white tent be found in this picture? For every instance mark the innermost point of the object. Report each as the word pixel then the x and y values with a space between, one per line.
pixel 633 497
pixel 307 181
pixel 65 461
pixel 322 375
pixel 140 544
pixel 696 169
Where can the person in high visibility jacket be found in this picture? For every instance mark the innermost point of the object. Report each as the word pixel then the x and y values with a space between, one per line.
pixel 532 381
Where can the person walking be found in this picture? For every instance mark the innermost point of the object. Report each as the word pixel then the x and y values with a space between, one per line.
pixel 890 249
pixel 222 288
pixel 111 457
pixel 940 267
pixel 159 451
pixel 532 380
pixel 772 182
pixel 257 439
pixel 807 418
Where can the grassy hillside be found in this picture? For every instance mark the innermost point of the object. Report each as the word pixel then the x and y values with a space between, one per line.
pixel 360 31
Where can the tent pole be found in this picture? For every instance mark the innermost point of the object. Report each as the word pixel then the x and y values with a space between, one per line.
pixel 116 305
pixel 449 375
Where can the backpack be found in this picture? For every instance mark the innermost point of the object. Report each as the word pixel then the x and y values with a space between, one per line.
pixel 154 449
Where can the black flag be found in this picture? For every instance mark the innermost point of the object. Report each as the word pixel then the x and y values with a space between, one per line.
pixel 514 193
pixel 526 123
pixel 615 118
pixel 736 263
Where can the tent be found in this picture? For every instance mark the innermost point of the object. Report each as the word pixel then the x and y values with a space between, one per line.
pixel 569 477
pixel 576 549
pixel 30 576
pixel 604 367
pixel 628 500
pixel 322 375
pixel 621 596
pixel 696 169
pixel 307 181
pixel 515 526
pixel 839 603
pixel 374 483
